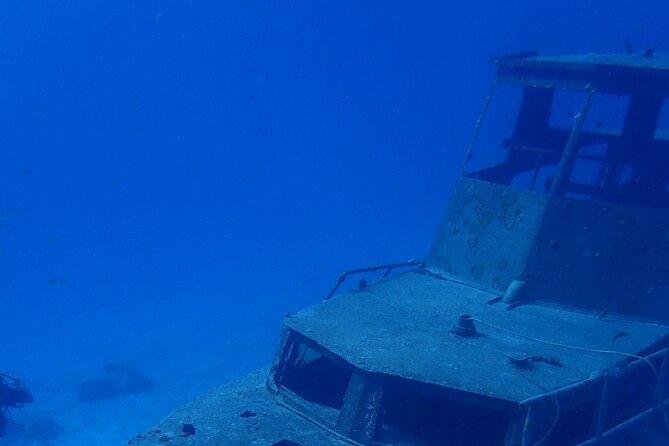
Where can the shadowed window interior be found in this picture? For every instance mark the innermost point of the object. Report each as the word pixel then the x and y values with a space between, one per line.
pixel 315 377
pixel 621 154
pixel 421 414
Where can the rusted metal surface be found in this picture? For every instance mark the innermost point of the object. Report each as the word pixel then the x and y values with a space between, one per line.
pixel 486 234
pixel 602 257
pixel 595 256
pixel 608 73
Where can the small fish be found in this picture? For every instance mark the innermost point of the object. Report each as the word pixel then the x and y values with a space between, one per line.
pixel 648 52
pixel 57 281
pixel 619 335
pixel 628 47
pixel 8 213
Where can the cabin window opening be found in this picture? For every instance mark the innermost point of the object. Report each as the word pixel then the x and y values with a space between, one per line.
pixel 496 127
pixel 619 133
pixel 594 151
pixel 315 377
pixel 637 171
pixel 529 145
pixel 618 157
pixel 662 136
pixel 586 172
pixel 420 414
pixel 606 115
pixel 566 105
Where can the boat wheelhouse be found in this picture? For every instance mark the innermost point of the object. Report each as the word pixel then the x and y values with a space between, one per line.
pixel 540 315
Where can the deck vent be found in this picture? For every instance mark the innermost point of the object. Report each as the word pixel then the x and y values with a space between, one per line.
pixel 465 326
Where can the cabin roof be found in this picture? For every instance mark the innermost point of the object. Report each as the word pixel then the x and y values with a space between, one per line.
pixel 643 73
pixel 402 326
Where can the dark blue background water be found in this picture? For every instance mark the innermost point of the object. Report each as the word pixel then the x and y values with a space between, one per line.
pixel 176 175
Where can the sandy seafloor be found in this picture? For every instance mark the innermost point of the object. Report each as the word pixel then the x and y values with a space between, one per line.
pixel 58 418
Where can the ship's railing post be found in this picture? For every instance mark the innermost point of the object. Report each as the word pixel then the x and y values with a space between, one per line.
pixel 657 414
pixel 601 412
pixel 528 429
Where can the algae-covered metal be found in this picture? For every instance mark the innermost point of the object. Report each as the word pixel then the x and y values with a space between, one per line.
pixel 540 316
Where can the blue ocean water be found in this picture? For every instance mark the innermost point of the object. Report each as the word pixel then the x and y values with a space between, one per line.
pixel 175 176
